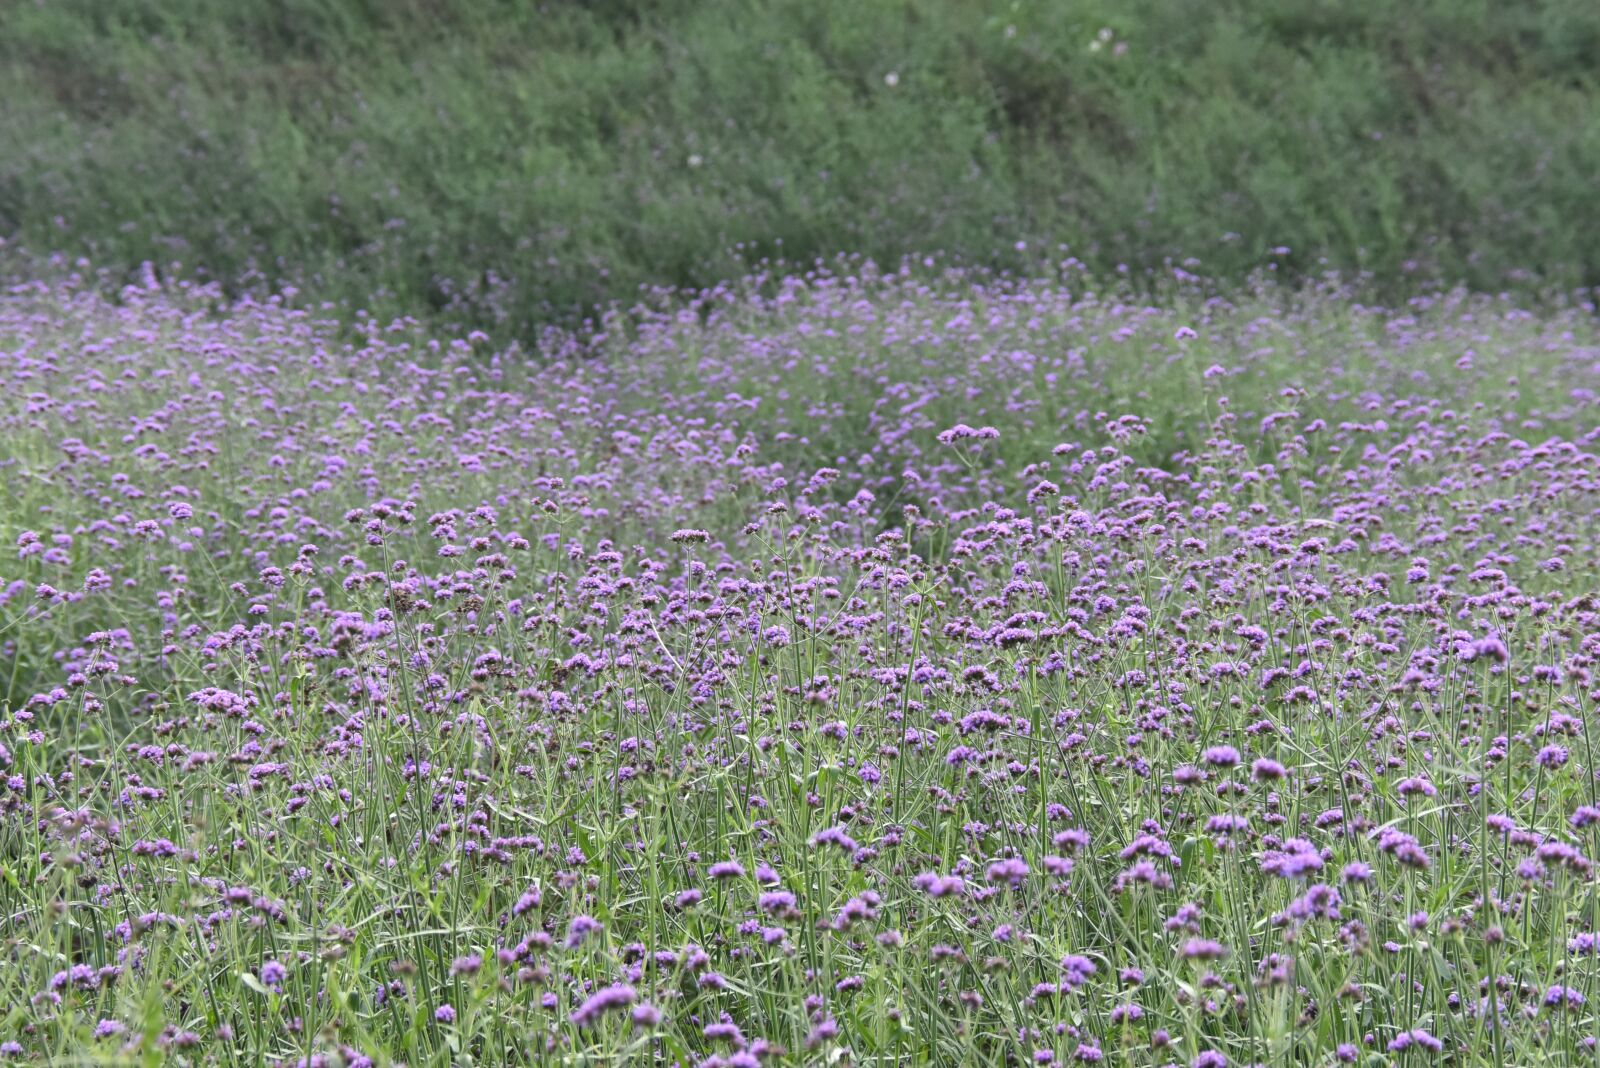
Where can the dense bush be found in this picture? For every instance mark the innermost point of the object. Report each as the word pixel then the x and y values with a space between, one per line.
pixel 517 159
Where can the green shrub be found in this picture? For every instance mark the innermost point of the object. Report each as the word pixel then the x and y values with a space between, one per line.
pixel 509 161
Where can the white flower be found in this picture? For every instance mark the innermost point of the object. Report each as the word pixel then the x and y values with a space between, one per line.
pixel 891 79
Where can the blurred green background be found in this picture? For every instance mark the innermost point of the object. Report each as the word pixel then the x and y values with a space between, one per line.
pixel 504 162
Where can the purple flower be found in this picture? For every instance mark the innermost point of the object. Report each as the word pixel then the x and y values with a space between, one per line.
pixel 1563 997
pixel 1012 871
pixel 936 885
pixel 1265 770
pixel 602 1001
pixel 579 930
pixel 529 900
pixel 825 1029
pixel 1488 648
pixel 273 974
pixel 776 902
pixel 1297 859
pixel 726 869
pixel 1203 949
pixel 1357 872
pixel 1415 1037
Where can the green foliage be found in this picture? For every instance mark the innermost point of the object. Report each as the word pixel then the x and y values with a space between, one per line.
pixel 509 160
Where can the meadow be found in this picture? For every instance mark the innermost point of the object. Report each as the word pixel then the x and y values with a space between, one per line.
pixel 854 664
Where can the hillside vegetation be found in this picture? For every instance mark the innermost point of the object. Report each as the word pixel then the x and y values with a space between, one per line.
pixel 506 162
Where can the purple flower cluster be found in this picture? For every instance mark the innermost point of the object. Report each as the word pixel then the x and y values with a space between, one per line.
pixel 839 666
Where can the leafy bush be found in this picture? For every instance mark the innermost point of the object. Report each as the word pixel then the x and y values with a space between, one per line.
pixel 506 161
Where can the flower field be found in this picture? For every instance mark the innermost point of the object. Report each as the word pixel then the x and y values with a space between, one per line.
pixel 844 666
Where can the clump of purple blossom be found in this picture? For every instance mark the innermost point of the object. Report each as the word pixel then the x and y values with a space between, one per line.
pixel 832 666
